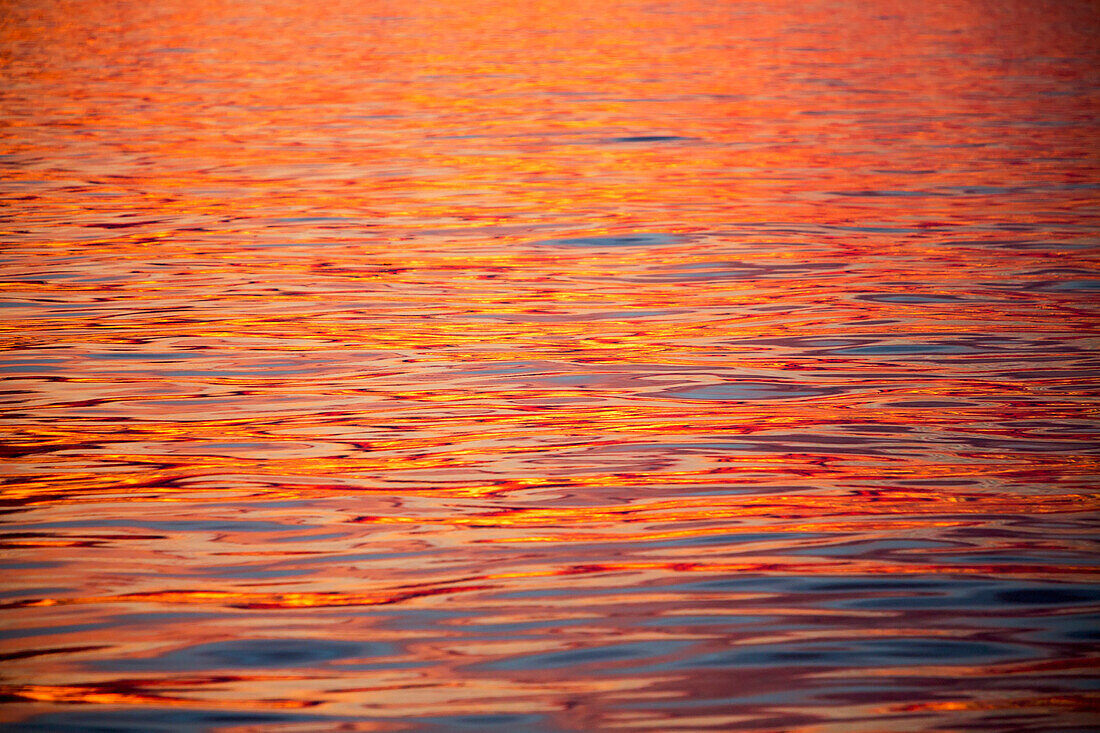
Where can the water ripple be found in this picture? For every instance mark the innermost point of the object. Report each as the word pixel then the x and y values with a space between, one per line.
pixel 467 366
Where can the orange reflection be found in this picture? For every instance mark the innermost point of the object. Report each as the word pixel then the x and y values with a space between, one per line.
pixel 626 367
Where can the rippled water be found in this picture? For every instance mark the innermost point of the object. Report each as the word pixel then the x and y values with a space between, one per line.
pixel 479 365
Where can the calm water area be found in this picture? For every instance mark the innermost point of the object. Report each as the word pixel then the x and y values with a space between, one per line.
pixel 537 367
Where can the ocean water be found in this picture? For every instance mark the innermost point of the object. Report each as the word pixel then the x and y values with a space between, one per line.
pixel 475 365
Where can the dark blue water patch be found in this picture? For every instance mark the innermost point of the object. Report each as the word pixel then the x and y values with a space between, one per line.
pixel 1078 629
pixel 846 652
pixel 608 654
pixel 904 350
pixel 278 504
pixel 51 631
pixel 126 620
pixel 155 720
pixel 649 139
pixel 989 596
pixel 54 312
pixel 861 444
pixel 584 380
pixel 998 243
pixel 1084 285
pixel 887 193
pixel 715 620
pixel 14 364
pixel 309 219
pixel 519 626
pixel 35 592
pixel 791 585
pixel 815 342
pixel 250 654
pixel 505 367
pixel 909 298
pixel 1061 245
pixel 311 537
pixel 243 573
pixel 984 190
pixel 731 539
pixel 641 239
pixel 513 722
pixel 121 224
pixel 622 315
pixel 869 547
pixel 704 271
pixel 29 565
pixel 262 372
pixel 886 430
pixel 1046 556
pixel 807 695
pixel 410 619
pixel 1070 286
pixel 1046 595
pixel 626 315
pixel 479 722
pixel 379 666
pixel 747 391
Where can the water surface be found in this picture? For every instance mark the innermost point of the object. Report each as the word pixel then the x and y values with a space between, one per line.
pixel 457 366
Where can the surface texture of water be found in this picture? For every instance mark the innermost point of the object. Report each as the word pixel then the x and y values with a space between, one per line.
pixel 480 365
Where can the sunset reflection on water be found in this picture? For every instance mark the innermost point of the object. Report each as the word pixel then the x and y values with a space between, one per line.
pixel 474 365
